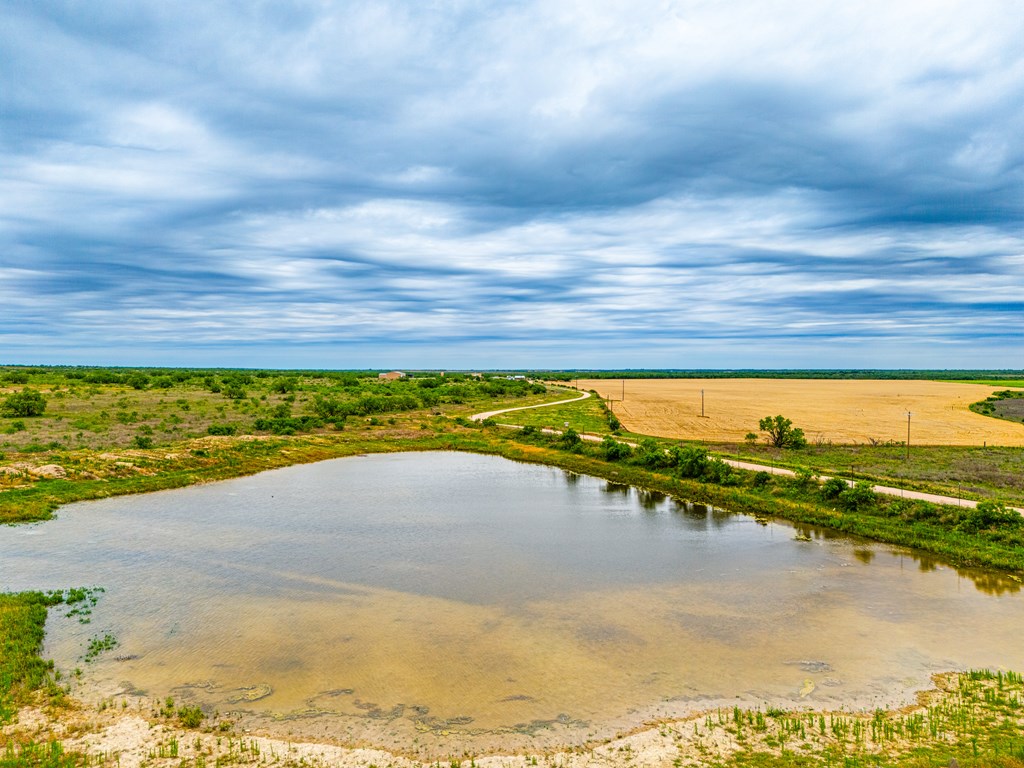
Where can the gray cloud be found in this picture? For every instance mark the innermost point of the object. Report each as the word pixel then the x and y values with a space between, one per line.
pixel 572 184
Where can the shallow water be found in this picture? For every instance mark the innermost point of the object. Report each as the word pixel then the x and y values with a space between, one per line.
pixel 421 601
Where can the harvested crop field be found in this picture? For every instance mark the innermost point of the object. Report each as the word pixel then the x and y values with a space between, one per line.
pixel 841 411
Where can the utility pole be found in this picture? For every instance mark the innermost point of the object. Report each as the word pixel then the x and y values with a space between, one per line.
pixel 702 403
pixel 623 389
pixel 908 435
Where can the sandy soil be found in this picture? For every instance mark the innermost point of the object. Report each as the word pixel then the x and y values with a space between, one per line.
pixel 848 411
pixel 126 739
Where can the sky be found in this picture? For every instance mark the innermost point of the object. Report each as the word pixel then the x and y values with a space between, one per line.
pixel 551 184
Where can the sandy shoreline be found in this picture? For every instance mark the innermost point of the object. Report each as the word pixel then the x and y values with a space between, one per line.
pixel 116 725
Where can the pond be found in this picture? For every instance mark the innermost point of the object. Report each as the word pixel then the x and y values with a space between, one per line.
pixel 420 601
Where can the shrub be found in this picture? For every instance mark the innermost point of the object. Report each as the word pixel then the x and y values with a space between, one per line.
pixel 190 717
pixel 614 450
pixel 651 455
pixel 285 385
pixel 990 514
pixel 804 477
pixel 717 471
pixel 220 429
pixel 859 497
pixel 570 439
pixel 690 461
pixel 137 381
pixel 832 488
pixel 142 441
pixel 761 479
pixel 27 403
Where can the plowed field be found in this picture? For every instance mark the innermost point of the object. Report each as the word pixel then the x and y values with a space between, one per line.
pixel 850 411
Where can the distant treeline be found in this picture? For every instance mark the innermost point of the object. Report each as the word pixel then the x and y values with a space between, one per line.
pixel 166 377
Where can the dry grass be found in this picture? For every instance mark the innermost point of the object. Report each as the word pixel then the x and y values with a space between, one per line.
pixel 851 411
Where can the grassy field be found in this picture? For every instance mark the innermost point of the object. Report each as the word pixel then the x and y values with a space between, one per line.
pixel 997 383
pixel 844 412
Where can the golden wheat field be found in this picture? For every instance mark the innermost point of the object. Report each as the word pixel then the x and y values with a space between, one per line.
pixel 847 411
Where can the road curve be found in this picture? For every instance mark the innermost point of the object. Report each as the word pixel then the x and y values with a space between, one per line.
pixel 490 414
pixel 883 489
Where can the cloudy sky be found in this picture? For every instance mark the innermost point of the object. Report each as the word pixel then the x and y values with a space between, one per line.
pixel 643 183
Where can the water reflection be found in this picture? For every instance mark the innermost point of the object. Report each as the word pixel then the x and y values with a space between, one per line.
pixel 344 598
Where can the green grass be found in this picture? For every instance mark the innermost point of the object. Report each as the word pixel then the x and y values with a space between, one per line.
pixel 974 717
pixel 971 472
pixel 990 382
pixel 22 670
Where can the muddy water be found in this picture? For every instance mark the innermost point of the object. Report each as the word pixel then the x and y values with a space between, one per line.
pixel 438 602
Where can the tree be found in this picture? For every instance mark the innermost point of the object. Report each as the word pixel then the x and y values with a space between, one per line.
pixel 691 461
pixel 782 433
pixel 137 381
pixel 570 439
pixel 26 403
pixel 858 497
pixel 614 450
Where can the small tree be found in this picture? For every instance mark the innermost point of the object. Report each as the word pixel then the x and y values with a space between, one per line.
pixel 782 433
pixel 651 455
pixel 859 497
pixel 26 403
pixel 832 487
pixel 614 450
pixel 691 461
pixel 571 439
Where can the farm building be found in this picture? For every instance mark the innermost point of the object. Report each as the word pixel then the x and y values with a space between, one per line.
pixel 391 375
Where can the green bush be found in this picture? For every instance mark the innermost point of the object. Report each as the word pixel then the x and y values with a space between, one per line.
pixel 832 488
pixel 221 429
pixel 614 450
pixel 857 498
pixel 691 461
pixel 27 403
pixel 651 455
pixel 718 472
pixel 990 515
pixel 190 717
pixel 570 439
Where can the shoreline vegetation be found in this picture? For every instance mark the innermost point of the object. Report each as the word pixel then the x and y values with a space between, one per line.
pixel 94 433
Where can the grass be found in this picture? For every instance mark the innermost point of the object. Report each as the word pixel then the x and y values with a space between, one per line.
pixel 989 382
pixel 974 718
pixel 22 670
pixel 969 472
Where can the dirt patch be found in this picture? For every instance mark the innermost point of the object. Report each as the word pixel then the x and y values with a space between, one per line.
pixel 851 411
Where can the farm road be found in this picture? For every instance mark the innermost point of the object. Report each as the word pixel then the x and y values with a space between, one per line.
pixel 884 489
pixel 489 414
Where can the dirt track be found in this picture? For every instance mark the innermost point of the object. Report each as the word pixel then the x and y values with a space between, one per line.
pixel 846 411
